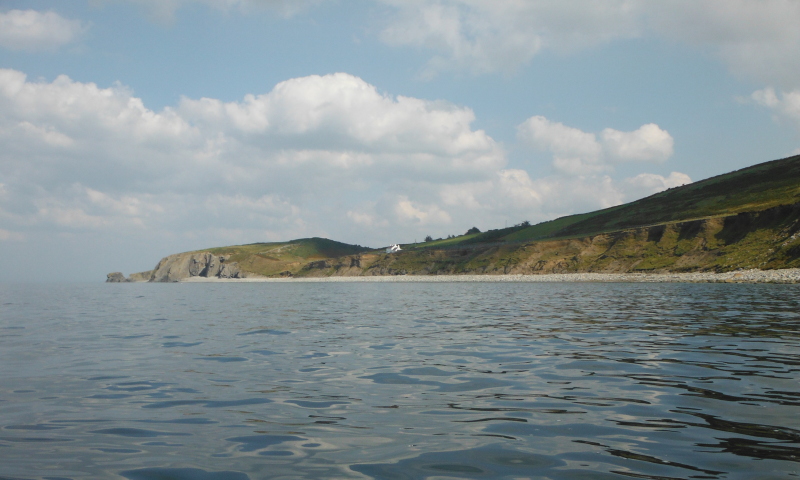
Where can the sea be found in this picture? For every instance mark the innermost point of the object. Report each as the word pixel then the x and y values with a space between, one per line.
pixel 412 380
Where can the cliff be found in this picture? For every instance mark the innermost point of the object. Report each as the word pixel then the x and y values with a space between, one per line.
pixel 141 276
pixel 768 239
pixel 745 219
pixel 181 266
pixel 175 268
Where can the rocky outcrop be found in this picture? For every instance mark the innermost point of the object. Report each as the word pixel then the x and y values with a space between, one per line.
pixel 181 266
pixel 140 276
pixel 319 264
pixel 119 277
pixel 116 277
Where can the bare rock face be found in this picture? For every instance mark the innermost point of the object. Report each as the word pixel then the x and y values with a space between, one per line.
pixel 229 270
pixel 116 277
pixel 140 276
pixel 175 268
pixel 318 264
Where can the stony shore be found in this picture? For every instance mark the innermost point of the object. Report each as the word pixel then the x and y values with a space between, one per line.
pixel 790 275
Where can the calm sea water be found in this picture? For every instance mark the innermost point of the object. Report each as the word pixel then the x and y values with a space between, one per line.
pixel 399 381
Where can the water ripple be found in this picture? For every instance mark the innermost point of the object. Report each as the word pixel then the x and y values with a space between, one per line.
pixel 400 381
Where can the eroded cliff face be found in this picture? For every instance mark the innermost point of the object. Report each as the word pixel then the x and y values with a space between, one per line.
pixel 140 276
pixel 116 277
pixel 181 266
pixel 766 240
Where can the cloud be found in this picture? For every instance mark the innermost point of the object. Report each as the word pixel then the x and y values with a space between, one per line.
pixel 81 157
pixel 574 151
pixel 344 112
pixel 164 10
pixel 577 152
pixel 646 184
pixel 30 30
pixel 513 195
pixel 366 218
pixel 756 39
pixel 323 156
pixel 502 35
pixel 759 40
pixel 784 105
pixel 409 212
pixel 7 236
pixel 649 144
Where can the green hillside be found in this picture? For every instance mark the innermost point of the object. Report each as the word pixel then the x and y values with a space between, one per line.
pixel 749 218
pixel 277 257
pixel 751 189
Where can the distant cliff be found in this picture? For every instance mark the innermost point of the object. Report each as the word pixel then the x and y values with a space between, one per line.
pixel 181 266
pixel 768 239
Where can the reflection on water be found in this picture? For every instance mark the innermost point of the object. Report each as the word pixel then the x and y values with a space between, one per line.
pixel 400 381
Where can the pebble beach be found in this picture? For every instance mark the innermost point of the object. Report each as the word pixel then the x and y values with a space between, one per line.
pixel 790 275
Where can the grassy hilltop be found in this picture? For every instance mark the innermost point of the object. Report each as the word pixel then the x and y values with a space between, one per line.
pixel 749 218
pixel 270 259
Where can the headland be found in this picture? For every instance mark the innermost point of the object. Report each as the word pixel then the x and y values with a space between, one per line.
pixel 740 226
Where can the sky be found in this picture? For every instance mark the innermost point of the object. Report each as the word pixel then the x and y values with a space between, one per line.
pixel 134 129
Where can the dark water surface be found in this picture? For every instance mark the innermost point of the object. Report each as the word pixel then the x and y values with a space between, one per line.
pixel 399 381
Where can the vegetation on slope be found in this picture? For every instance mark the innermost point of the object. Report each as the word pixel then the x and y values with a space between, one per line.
pixel 755 188
pixel 750 189
pixel 749 218
pixel 281 257
pixel 766 239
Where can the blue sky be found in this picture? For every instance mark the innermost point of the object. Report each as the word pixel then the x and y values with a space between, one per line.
pixel 133 129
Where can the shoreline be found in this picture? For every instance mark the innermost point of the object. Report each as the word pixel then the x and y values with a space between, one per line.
pixel 789 275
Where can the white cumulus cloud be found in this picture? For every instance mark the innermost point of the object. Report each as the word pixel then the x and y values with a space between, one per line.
pixel 315 156
pixel 574 151
pixel 646 184
pixel 513 195
pixel 31 30
pixel 578 153
pixel 784 105
pixel 345 112
pixel 79 156
pixel 648 143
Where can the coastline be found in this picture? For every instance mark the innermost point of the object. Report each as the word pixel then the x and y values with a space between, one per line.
pixel 789 275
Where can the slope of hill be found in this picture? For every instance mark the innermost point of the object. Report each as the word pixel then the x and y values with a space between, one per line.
pixel 749 218
pixel 275 258
pixel 767 239
pixel 750 189
pixel 237 261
